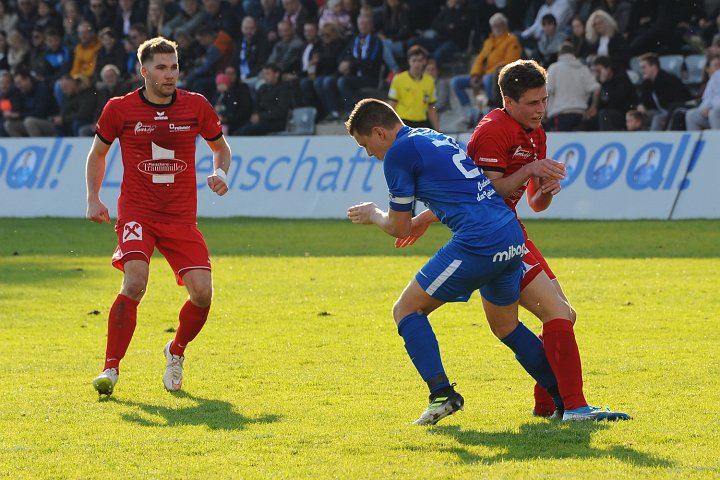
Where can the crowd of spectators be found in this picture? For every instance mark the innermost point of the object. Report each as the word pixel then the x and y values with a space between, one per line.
pixel 255 60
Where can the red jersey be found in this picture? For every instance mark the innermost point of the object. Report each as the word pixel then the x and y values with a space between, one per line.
pixel 157 144
pixel 500 144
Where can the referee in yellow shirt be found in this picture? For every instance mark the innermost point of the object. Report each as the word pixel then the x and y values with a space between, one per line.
pixel 412 93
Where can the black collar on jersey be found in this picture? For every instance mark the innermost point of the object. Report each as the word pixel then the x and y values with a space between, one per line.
pixel 156 105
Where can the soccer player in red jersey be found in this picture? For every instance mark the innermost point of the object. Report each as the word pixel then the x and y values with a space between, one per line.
pixel 509 144
pixel 157 126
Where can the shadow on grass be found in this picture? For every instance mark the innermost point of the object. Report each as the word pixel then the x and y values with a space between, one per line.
pixel 542 441
pixel 215 414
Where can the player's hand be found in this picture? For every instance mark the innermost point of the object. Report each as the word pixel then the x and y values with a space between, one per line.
pixel 550 185
pixel 97 212
pixel 217 184
pixel 362 213
pixel 417 229
pixel 547 168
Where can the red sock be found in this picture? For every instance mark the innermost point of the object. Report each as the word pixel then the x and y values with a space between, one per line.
pixel 544 404
pixel 562 352
pixel 192 319
pixel 121 325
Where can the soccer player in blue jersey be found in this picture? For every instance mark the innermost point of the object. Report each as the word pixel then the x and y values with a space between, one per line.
pixel 484 253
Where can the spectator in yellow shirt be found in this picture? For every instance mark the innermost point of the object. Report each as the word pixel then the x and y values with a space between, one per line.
pixel 85 51
pixel 412 92
pixel 500 48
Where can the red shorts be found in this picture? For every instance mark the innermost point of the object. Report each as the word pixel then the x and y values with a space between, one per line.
pixel 533 262
pixel 183 246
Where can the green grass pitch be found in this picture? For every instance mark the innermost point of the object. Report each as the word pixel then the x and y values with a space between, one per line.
pixel 299 372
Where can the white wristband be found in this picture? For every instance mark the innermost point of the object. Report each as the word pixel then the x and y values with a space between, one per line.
pixel 219 172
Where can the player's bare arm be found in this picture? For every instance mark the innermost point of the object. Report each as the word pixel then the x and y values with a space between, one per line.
pixel 540 192
pixel 221 160
pixel 545 168
pixel 396 224
pixel 94 172
pixel 419 225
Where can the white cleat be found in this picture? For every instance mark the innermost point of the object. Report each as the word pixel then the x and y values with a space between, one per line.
pixel 105 382
pixel 173 370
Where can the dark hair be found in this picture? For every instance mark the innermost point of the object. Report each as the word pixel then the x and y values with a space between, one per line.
pixel 22 72
pixel 51 31
pixel 651 58
pixel 548 19
pixel 417 50
pixel 636 114
pixel 107 31
pixel 602 61
pixel 139 27
pixel 206 29
pixel 150 47
pixel 566 47
pixel 272 66
pixel 369 113
pixel 518 77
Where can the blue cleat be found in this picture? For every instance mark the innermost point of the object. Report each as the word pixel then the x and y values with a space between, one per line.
pixel 596 414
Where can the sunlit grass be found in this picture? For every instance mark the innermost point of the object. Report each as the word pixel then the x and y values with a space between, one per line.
pixel 300 373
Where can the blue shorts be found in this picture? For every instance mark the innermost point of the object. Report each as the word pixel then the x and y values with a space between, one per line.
pixel 454 272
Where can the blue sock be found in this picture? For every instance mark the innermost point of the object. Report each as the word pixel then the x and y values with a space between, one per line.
pixel 423 349
pixel 530 353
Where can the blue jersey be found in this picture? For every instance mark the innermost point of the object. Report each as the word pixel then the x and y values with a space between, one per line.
pixel 431 167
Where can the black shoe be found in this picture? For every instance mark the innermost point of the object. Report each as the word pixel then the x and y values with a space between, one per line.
pixel 444 402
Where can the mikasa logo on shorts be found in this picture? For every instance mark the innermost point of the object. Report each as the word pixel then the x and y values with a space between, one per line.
pixel 512 251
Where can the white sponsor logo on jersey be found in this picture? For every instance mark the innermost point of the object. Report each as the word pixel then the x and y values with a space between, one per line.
pixel 140 128
pixel 165 166
pixel 483 192
pixel 521 152
pixel 161 116
pixel 488 160
pixel 179 128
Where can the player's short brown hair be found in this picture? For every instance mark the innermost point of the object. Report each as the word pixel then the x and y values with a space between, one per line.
pixel 520 76
pixel 369 113
pixel 150 47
